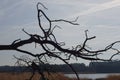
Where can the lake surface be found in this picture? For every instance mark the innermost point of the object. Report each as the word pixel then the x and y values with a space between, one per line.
pixel 92 76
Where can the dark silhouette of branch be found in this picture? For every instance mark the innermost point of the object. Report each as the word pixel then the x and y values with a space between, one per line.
pixel 48 38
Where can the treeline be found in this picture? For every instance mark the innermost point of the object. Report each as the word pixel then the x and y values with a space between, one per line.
pixel 105 67
pixel 93 67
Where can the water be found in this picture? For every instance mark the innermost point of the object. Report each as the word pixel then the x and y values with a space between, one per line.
pixel 92 76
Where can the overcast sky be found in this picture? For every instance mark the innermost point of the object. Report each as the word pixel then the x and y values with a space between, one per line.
pixel 100 17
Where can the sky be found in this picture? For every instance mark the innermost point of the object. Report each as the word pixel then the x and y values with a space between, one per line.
pixel 100 17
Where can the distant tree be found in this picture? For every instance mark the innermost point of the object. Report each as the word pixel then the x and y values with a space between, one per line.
pixel 54 49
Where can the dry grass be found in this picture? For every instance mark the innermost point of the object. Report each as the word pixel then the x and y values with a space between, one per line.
pixel 80 79
pixel 17 76
pixel 26 75
pixel 53 76
pixel 113 77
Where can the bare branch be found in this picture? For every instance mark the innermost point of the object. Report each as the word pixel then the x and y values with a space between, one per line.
pixel 49 39
pixel 71 22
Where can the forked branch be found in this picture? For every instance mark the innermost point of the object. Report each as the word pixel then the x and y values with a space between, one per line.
pixel 48 38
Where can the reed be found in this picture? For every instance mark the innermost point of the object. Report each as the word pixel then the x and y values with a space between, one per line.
pixel 113 77
pixel 26 75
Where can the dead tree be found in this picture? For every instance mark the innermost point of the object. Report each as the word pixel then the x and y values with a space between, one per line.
pixel 48 38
